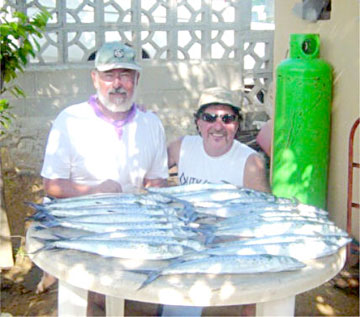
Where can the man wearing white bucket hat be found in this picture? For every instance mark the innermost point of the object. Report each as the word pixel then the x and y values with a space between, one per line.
pixel 215 155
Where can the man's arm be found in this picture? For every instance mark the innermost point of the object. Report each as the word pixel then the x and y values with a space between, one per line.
pixel 264 137
pixel 62 188
pixel 158 182
pixel 255 174
pixel 173 152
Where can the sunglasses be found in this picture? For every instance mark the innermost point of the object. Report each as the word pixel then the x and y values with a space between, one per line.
pixel 211 117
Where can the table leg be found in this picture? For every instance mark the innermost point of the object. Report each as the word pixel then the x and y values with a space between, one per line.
pixel 115 306
pixel 282 307
pixel 72 301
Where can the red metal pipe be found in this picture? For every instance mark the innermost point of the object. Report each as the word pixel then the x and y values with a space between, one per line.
pixel 351 165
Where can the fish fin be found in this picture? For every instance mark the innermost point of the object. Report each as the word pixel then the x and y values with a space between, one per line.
pixel 152 276
pixel 228 183
pixel 35 205
pixel 208 232
pixel 39 227
pixel 209 239
pixel 51 198
pixel 318 234
pixel 41 215
pixel 61 237
pixel 44 247
pixel 50 223
pixel 37 251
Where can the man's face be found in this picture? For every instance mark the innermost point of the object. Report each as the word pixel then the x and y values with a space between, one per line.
pixel 218 136
pixel 116 88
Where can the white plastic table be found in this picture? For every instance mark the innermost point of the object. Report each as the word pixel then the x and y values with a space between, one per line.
pixel 78 272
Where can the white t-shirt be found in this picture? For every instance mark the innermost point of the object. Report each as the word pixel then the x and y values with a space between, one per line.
pixel 87 149
pixel 196 166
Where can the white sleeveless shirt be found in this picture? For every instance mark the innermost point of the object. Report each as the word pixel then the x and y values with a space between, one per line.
pixel 196 166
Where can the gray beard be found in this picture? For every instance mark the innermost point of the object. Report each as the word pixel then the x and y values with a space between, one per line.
pixel 113 106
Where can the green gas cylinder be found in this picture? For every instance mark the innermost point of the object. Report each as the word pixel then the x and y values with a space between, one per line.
pixel 302 123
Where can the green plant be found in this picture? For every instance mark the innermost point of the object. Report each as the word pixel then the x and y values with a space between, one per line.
pixel 17 40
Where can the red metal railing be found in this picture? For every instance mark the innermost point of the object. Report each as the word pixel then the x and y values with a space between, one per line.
pixel 351 166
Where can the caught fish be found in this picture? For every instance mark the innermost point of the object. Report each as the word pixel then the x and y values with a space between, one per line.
pixel 228 209
pixel 196 198
pixel 256 218
pixel 183 189
pixel 301 249
pixel 118 218
pixel 120 248
pixel 107 199
pixel 108 209
pixel 280 227
pixel 186 241
pixel 180 233
pixel 340 241
pixel 109 227
pixel 229 264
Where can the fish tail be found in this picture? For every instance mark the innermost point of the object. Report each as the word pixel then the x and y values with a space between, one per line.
pixel 39 227
pixel 35 205
pixel 37 251
pixel 36 217
pixel 50 223
pixel 61 237
pixel 151 277
pixel 209 239
pixel 41 215
pixel 228 183
pixel 48 246
pixel 191 215
pixel 208 233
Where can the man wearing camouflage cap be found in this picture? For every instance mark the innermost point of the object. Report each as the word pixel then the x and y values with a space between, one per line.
pixel 105 144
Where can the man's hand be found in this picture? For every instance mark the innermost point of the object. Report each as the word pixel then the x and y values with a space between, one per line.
pixel 108 186
pixel 158 182
pixel 62 188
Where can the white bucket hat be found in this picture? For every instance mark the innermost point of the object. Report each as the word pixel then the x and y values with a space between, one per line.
pixel 219 96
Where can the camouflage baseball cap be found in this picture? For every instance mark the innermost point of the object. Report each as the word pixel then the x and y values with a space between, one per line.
pixel 114 55
pixel 219 96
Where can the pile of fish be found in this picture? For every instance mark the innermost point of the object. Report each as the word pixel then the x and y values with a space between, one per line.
pixel 198 229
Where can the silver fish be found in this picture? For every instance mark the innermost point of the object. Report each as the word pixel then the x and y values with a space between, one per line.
pixel 229 264
pixel 72 233
pixel 120 248
pixel 301 249
pixel 186 242
pixel 110 227
pixel 197 198
pixel 109 209
pixel 181 189
pixel 121 217
pixel 244 220
pixel 337 240
pixel 228 209
pixel 108 199
pixel 281 227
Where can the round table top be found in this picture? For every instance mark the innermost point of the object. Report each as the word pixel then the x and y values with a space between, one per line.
pixel 107 276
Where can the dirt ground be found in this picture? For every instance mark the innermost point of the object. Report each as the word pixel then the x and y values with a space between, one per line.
pixel 338 297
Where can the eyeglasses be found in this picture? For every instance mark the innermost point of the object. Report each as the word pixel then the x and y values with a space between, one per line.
pixel 211 117
pixel 125 77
